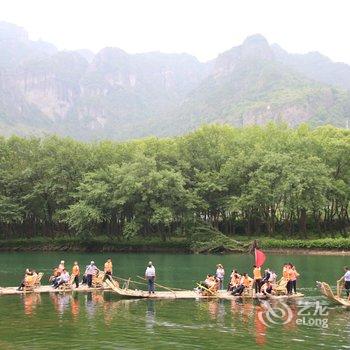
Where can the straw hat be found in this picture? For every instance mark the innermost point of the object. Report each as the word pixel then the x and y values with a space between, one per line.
pixel 219 266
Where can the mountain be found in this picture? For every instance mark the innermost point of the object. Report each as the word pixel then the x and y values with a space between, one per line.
pixel 315 66
pixel 249 85
pixel 113 94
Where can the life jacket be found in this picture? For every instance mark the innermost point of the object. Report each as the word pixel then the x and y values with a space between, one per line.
pixel 108 266
pixel 285 273
pixel 75 270
pixel 246 281
pixel 235 279
pixel 257 273
pixel 292 275
pixel 29 279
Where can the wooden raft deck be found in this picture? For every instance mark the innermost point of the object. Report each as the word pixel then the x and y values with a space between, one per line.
pixel 326 290
pixel 49 289
pixel 188 294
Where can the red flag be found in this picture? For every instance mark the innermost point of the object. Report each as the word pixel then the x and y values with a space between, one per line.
pixel 259 258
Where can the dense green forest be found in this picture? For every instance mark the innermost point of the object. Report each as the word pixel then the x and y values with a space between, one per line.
pixel 267 181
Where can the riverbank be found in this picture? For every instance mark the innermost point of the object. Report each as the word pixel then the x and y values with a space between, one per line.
pixel 324 246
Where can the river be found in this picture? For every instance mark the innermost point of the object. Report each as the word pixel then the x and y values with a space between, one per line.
pixel 100 320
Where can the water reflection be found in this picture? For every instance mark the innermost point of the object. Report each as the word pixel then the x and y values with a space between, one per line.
pixel 150 316
pixel 30 303
pixel 74 306
pixel 61 302
pixel 239 317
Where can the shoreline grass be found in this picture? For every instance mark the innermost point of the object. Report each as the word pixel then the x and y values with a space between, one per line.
pixel 154 244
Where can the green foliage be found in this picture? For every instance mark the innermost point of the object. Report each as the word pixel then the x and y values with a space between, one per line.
pixel 206 239
pixel 219 180
pixel 324 243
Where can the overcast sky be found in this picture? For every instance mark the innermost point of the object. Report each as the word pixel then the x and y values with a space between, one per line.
pixel 199 27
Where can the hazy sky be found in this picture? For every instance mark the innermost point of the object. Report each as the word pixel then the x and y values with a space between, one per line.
pixel 199 27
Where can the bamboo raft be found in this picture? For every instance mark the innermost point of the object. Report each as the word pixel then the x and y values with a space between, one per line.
pixel 50 289
pixel 188 294
pixel 34 286
pixel 326 290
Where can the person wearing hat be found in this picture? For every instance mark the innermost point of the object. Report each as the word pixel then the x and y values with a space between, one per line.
pixel 61 266
pixel 90 271
pixel 220 274
pixel 150 276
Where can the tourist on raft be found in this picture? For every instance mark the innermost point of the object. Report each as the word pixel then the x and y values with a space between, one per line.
pixel 61 266
pixel 27 279
pixel 108 269
pixel 267 288
pixel 90 271
pixel 346 279
pixel 257 278
pixel 291 274
pixel 220 274
pixel 235 279
pixel 273 277
pixel 245 282
pixel 150 276
pixel 211 282
pixel 63 278
pixel 76 274
pixel 266 277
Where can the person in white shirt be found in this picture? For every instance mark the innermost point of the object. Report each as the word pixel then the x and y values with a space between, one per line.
pixel 90 271
pixel 61 266
pixel 220 274
pixel 63 278
pixel 346 279
pixel 150 276
pixel 273 277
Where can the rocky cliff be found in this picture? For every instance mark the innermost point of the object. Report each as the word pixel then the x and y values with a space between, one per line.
pixel 118 95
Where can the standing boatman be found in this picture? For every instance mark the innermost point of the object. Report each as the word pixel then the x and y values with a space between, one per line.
pixel 150 276
pixel 346 279
pixel 91 270
pixel 220 274
pixel 108 268
pixel 76 273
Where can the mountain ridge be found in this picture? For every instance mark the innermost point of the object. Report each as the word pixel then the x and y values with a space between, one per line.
pixel 113 94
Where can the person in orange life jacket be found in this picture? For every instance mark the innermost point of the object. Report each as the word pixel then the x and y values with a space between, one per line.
pixel 234 280
pixel 28 274
pixel 108 268
pixel 76 274
pixel 257 278
pixel 290 274
pixel 293 275
pixel 245 282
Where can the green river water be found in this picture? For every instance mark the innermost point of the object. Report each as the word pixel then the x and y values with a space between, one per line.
pixel 104 321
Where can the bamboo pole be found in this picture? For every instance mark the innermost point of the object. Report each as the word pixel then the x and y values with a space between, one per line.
pixel 208 290
pixel 159 285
